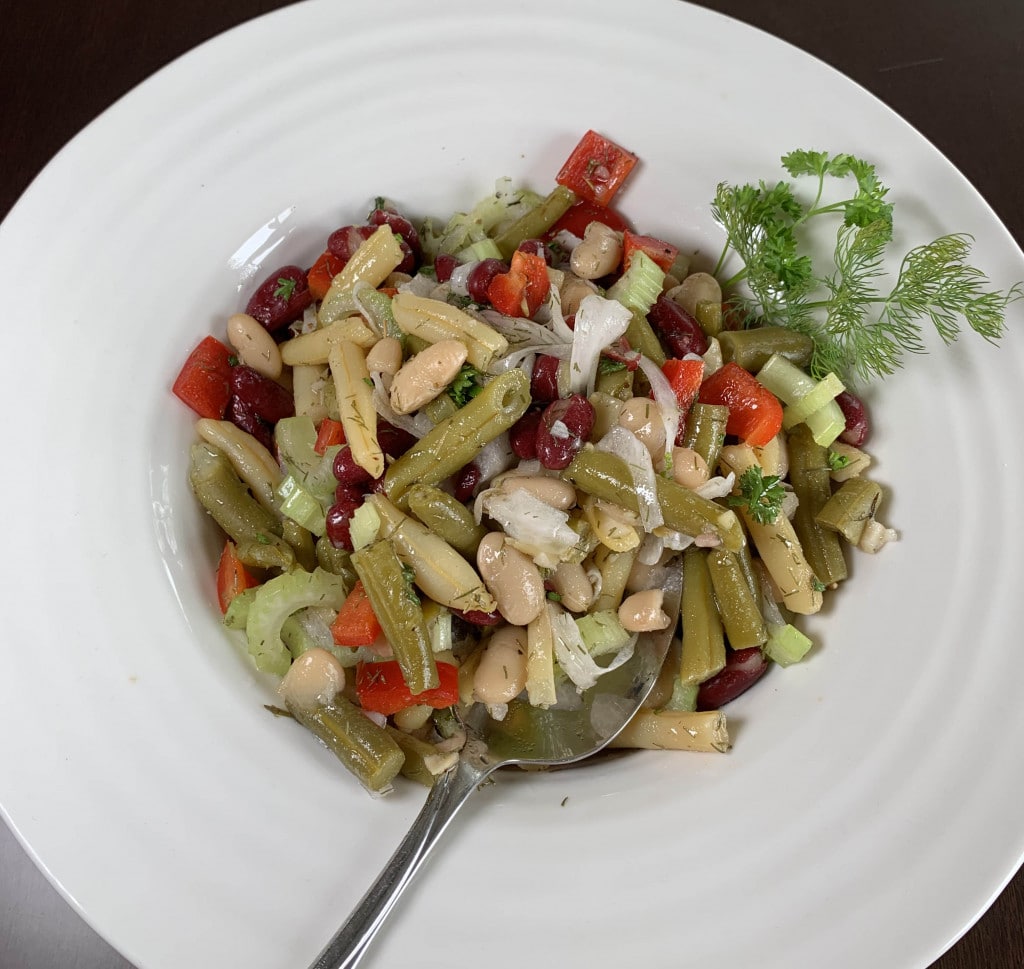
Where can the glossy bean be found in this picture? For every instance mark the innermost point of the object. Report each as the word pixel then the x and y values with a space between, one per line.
pixel 512 578
pixel 281 298
pixel 500 675
pixel 255 347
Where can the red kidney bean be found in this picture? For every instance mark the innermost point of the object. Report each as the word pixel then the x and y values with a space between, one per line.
pixel 393 441
pixel 281 298
pixel 477 618
pixel 243 416
pixel 349 474
pixel 621 352
pixel 576 415
pixel 743 668
pixel 679 331
pixel 444 266
pixel 480 276
pixel 537 247
pixel 858 427
pixel 344 241
pixel 339 518
pixel 400 225
pixel 465 481
pixel 544 381
pixel 265 397
pixel 522 436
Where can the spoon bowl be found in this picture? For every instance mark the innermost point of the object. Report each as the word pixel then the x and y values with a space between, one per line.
pixel 526 736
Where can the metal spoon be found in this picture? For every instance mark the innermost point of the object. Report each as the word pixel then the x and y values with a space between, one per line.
pixel 526 736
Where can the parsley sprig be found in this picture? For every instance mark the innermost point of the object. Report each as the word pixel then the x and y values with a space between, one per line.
pixel 760 494
pixel 861 330
pixel 465 386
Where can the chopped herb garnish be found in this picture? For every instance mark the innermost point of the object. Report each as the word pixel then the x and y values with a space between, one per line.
pixel 837 461
pixel 465 386
pixel 761 495
pixel 860 328
pixel 554 597
pixel 285 288
pixel 606 365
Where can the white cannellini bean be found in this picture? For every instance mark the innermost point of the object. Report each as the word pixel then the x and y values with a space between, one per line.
pixel 688 468
pixel 315 678
pixel 512 578
pixel 571 582
pixel 423 377
pixel 501 673
pixel 598 254
pixel 255 347
pixel 552 491
pixel 572 291
pixel 642 613
pixel 642 416
pixel 696 288
pixel 385 356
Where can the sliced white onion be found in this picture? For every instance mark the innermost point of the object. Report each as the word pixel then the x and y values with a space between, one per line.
pixel 624 443
pixel 496 456
pixel 665 398
pixel 599 322
pixel 460 277
pixel 532 526
pixel 573 656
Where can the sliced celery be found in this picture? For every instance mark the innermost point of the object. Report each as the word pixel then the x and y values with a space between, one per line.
pixel 786 644
pixel 640 285
pixel 602 632
pixel 299 504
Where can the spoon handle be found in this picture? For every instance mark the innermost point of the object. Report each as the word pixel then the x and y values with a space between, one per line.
pixel 449 793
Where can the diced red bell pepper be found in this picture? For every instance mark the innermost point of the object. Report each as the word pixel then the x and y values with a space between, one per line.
pixel 232 576
pixel 684 377
pixel 204 382
pixel 596 168
pixel 322 273
pixel 755 414
pixel 662 253
pixel 381 688
pixel 356 623
pixel 329 433
pixel 582 213
pixel 521 290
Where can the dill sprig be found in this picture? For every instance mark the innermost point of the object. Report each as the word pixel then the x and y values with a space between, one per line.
pixel 860 330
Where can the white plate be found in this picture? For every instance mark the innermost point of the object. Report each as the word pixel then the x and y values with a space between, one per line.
pixel 869 810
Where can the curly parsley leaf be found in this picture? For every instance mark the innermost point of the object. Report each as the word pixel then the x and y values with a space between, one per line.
pixel 861 328
pixel 285 288
pixel 465 386
pixel 760 495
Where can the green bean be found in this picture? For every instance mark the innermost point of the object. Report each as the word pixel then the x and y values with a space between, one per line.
pixel 617 383
pixel 703 653
pixel 641 336
pixel 334 560
pixel 536 221
pixel 362 746
pixel 440 408
pixel 224 495
pixel 607 476
pixel 809 475
pixel 750 572
pixel 301 541
pixel 709 316
pixel 419 755
pixel 260 554
pixel 447 517
pixel 851 508
pixel 752 348
pixel 739 610
pixel 397 608
pixel 614 568
pixel 705 431
pixel 454 442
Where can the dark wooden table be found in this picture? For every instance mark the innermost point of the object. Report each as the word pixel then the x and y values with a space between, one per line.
pixel 954 70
